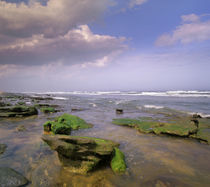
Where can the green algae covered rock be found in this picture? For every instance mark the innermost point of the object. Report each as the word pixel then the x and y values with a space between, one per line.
pixel 190 127
pixel 47 110
pixel 17 111
pixel 178 127
pixel 57 128
pixel 65 123
pixel 118 161
pixel 11 178
pixel 82 154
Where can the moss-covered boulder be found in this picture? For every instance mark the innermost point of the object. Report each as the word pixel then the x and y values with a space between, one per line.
pixel 11 178
pixel 3 147
pixel 18 111
pixel 65 123
pixel 84 154
pixel 118 161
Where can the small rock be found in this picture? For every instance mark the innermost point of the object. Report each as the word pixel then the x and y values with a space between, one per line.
pixel 76 109
pixel 3 147
pixel 119 111
pixel 197 116
pixel 21 128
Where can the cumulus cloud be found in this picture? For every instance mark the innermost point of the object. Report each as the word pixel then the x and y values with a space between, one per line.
pixel 79 45
pixel 36 33
pixel 192 29
pixel 134 3
pixel 55 18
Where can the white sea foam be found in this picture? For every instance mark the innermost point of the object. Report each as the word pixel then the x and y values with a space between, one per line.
pixel 153 106
pixel 201 114
pixel 178 93
pixel 93 104
pixel 60 98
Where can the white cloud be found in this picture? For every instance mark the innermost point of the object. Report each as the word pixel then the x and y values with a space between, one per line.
pixel 134 3
pixel 190 18
pixel 193 29
pixel 79 45
pixel 55 18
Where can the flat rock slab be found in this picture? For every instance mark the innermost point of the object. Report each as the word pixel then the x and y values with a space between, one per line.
pixel 11 178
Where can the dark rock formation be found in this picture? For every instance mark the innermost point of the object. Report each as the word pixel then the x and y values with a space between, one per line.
pixel 3 147
pixel 119 111
pixel 84 154
pixel 18 111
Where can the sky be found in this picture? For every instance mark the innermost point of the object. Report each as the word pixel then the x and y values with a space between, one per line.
pixel 88 45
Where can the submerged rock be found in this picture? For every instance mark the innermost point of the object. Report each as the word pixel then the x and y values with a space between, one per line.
pixel 11 178
pixel 21 103
pixel 84 154
pixel 18 111
pixel 48 110
pixel 21 128
pixel 77 109
pixel 65 123
pixel 2 104
pixel 3 148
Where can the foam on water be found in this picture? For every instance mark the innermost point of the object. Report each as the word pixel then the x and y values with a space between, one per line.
pixel 178 93
pixel 153 106
pixel 60 98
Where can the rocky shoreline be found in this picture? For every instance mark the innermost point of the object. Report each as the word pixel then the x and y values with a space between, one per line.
pixel 81 154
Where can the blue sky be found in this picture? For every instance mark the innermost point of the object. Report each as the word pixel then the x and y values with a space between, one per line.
pixel 70 45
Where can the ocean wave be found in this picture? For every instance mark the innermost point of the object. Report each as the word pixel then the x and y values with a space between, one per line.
pixel 178 93
pixel 201 114
pixel 153 106
pixel 93 105
pixel 60 98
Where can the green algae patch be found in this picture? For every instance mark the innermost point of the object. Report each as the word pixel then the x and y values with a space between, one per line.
pixel 17 111
pixel 65 123
pixel 74 121
pixel 57 128
pixel 47 110
pixel 182 127
pixel 142 126
pixel 118 164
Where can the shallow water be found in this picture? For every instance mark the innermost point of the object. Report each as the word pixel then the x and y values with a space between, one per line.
pixel 151 160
